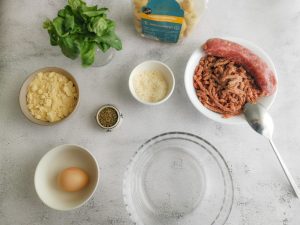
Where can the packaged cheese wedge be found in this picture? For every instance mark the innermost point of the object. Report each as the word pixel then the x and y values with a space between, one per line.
pixel 166 20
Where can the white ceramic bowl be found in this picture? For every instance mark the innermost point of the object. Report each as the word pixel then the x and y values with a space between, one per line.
pixel 150 66
pixel 24 90
pixel 188 80
pixel 52 163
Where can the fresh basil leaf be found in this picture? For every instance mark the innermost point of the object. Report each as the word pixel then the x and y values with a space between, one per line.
pixel 69 47
pixel 61 13
pixel 87 53
pixel 85 8
pixel 103 46
pixel 52 34
pixel 96 12
pixel 47 24
pixel 97 25
pixel 65 11
pixel 111 39
pixel 58 25
pixel 74 4
pixel 69 23
pixel 93 13
pixel 76 29
pixel 114 41
pixel 53 38
pixel 111 25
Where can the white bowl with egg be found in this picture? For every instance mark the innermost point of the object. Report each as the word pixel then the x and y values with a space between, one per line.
pixel 25 90
pixel 151 82
pixel 47 178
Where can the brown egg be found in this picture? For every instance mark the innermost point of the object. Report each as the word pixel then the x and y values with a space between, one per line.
pixel 72 179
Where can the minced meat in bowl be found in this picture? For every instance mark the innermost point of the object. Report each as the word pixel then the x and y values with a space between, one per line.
pixel 229 110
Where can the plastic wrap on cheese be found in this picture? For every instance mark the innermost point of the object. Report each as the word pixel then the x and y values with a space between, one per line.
pixel 166 20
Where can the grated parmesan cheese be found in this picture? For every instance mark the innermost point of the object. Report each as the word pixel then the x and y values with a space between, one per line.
pixel 150 86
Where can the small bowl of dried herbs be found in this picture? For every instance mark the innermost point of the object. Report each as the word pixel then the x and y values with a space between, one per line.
pixel 108 117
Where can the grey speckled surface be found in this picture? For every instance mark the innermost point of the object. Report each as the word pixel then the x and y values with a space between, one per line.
pixel 262 194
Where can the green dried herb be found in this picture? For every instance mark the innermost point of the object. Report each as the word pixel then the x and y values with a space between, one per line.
pixel 108 117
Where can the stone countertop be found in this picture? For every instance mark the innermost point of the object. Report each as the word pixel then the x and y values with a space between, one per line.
pixel 262 193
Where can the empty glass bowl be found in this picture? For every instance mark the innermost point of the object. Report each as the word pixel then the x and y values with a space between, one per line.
pixel 178 178
pixel 103 58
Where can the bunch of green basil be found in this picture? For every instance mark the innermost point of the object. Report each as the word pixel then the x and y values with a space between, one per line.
pixel 80 29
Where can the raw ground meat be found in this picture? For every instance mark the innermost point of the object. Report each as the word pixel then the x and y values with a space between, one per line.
pixel 257 67
pixel 224 86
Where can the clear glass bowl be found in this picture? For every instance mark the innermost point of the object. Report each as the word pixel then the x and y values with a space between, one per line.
pixel 178 178
pixel 103 58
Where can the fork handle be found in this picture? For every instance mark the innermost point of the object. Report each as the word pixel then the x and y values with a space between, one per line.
pixel 285 169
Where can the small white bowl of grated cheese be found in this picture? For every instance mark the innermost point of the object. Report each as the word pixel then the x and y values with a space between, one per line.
pixel 151 82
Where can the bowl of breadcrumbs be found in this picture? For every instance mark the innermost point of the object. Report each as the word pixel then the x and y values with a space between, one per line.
pixel 49 96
